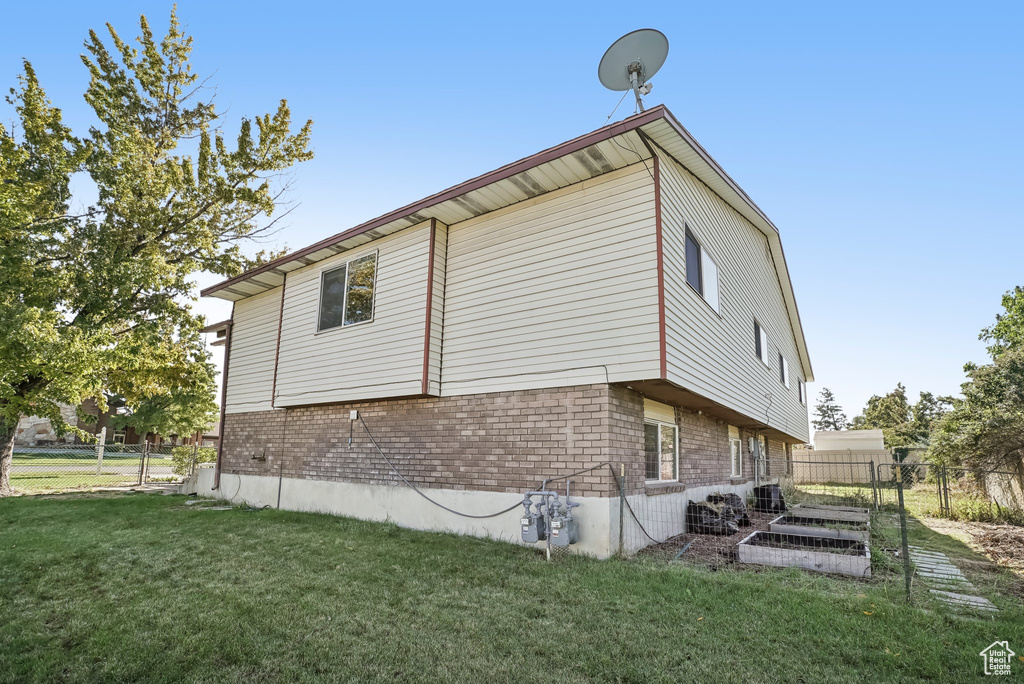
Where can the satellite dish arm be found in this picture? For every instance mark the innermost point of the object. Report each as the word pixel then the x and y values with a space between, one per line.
pixel 635 69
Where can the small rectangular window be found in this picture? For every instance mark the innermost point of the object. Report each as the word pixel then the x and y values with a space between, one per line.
pixel 800 390
pixel 359 292
pixel 660 461
pixel 693 265
pixel 332 298
pixel 762 456
pixel 346 293
pixel 737 457
pixel 709 279
pixel 783 370
pixel 735 452
pixel 760 343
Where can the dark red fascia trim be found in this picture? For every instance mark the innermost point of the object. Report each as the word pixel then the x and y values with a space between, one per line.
pixel 507 171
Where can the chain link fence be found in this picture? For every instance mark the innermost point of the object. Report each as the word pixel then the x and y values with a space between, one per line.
pixel 62 467
pixel 955 492
pixel 822 517
pixel 853 519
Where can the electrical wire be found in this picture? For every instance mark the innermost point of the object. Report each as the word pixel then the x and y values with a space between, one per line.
pixel 416 489
pixel 616 107
pixel 625 500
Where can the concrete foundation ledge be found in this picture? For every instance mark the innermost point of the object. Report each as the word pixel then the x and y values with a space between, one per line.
pixel 403 506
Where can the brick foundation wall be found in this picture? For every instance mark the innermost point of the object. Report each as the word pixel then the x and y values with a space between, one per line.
pixel 505 441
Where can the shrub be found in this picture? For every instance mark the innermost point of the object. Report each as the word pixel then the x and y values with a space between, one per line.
pixel 181 458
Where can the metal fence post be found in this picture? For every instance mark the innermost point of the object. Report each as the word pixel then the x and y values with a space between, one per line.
pixel 101 441
pixel 945 487
pixel 622 507
pixel 907 571
pixel 874 484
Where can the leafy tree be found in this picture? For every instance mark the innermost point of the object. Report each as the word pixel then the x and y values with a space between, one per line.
pixel 928 410
pixel 828 413
pixel 1008 331
pixel 986 428
pixel 97 298
pixel 902 423
pixel 891 413
pixel 184 410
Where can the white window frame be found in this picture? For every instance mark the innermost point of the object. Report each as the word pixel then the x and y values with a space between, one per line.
pixel 344 302
pixel 801 388
pixel 736 457
pixel 660 424
pixel 763 336
pixel 762 457
pixel 707 268
pixel 784 370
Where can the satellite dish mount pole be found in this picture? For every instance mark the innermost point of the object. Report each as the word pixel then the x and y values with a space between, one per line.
pixel 635 69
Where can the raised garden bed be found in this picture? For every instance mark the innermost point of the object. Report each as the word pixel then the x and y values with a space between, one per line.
pixel 821 512
pixel 824 526
pixel 820 554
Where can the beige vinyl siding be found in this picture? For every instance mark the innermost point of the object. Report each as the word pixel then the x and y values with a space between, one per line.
pixel 253 346
pixel 558 290
pixel 437 310
pixel 712 353
pixel 379 358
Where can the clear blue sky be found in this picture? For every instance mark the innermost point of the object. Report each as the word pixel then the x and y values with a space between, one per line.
pixel 884 139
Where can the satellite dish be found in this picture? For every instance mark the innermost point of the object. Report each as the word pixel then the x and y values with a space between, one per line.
pixel 632 60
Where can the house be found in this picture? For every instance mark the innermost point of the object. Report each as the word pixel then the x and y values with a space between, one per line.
pixel 616 298
pixel 842 456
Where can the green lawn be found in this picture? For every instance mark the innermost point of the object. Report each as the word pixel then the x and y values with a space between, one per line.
pixel 133 587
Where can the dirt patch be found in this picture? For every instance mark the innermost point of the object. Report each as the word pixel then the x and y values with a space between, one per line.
pixel 709 549
pixel 1003 544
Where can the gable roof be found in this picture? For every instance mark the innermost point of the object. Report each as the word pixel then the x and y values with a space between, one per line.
pixel 606 149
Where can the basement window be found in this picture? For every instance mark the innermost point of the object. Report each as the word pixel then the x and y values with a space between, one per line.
pixel 346 293
pixel 661 447
pixel 735 452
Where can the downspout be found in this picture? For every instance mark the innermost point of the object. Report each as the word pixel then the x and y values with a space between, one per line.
pixel 223 399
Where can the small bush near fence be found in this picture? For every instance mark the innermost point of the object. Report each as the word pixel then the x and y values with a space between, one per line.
pixel 183 458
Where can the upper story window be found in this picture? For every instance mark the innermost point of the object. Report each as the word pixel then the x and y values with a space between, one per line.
pixel 801 390
pixel 783 370
pixel 760 343
pixel 701 271
pixel 346 293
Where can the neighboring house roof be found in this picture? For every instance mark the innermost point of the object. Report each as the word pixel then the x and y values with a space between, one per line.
pixel 606 149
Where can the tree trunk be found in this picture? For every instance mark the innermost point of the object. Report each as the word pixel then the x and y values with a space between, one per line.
pixel 7 434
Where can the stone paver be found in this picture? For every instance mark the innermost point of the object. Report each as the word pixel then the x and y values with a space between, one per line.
pixel 942 575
